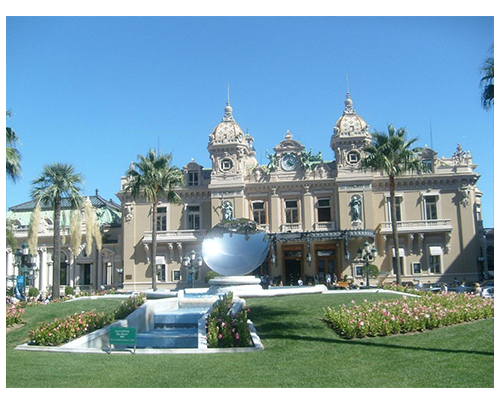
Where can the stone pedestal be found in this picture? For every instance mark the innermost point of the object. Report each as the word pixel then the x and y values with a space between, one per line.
pixel 241 286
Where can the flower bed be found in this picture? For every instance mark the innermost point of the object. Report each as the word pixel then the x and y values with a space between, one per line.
pixel 129 305
pixel 226 330
pixel 63 330
pixel 66 329
pixel 388 317
pixel 14 314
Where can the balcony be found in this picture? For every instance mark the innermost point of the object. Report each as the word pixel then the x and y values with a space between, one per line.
pixel 324 226
pixel 292 227
pixel 175 236
pixel 422 226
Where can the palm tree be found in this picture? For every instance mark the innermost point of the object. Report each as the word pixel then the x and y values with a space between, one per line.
pixel 487 81
pixel 57 181
pixel 13 156
pixel 392 154
pixel 13 171
pixel 153 177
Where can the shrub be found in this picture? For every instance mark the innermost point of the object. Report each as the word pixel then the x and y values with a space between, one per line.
pixel 226 330
pixel 414 314
pixel 33 292
pixel 69 291
pixel 63 330
pixel 13 315
pixel 129 305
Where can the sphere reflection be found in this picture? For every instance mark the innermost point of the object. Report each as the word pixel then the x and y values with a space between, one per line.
pixel 235 247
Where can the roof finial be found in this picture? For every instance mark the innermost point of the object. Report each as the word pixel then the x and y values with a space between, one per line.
pixel 228 111
pixel 348 102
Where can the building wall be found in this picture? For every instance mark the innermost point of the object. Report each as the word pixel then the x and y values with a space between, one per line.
pixel 307 247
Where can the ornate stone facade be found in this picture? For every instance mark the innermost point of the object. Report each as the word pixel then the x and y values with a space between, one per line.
pixel 317 211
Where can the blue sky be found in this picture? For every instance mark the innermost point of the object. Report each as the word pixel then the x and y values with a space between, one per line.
pixel 97 91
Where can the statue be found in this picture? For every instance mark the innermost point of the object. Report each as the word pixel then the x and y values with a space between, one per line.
pixel 273 161
pixel 227 211
pixel 355 208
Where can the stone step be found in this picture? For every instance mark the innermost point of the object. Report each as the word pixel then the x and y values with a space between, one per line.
pixel 178 317
pixel 180 338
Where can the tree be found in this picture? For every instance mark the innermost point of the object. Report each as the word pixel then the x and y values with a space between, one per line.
pixel 13 156
pixel 487 82
pixel 13 171
pixel 392 154
pixel 153 177
pixel 57 181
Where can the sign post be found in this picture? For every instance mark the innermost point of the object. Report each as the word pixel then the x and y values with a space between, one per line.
pixel 122 336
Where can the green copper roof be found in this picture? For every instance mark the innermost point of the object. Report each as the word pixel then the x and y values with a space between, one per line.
pixel 108 212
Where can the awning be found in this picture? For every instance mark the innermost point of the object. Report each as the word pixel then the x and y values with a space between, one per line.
pixel 435 250
pixel 160 260
pixel 401 252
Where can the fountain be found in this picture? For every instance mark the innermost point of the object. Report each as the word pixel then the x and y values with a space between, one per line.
pixel 234 248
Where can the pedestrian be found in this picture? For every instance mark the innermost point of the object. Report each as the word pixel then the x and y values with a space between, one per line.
pixel 444 288
pixel 335 279
pixel 328 279
pixel 300 281
pixel 478 290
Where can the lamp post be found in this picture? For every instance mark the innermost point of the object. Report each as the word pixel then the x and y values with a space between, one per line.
pixel 120 274
pixel 367 254
pixel 26 264
pixel 193 265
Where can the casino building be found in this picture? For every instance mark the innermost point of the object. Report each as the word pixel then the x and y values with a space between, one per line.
pixel 319 214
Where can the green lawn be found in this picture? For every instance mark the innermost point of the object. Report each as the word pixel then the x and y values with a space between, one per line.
pixel 300 351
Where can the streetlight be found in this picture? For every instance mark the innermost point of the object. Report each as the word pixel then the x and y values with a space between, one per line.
pixel 120 274
pixel 193 265
pixel 26 265
pixel 367 255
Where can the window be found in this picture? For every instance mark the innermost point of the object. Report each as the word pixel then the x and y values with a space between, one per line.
pixel 398 208
pixel 324 211
pixel 435 253
pixel 291 211
pixel 226 164
pixel 161 268
pixel 176 275
pixel 193 178
pixel 430 203
pixel 416 268
pixel 193 217
pixel 435 264
pixel 259 212
pixel 161 219
pixel 353 156
pixel 428 165
pixel 401 260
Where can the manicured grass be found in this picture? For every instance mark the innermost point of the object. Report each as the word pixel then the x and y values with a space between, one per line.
pixel 300 351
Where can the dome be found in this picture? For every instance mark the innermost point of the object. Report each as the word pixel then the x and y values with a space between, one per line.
pixel 228 131
pixel 350 123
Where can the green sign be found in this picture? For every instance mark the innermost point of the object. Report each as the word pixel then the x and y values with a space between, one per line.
pixel 122 336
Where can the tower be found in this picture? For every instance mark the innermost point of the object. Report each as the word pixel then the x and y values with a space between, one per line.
pixel 231 151
pixel 350 134
pixel 232 154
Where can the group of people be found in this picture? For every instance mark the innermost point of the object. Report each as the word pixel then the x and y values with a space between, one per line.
pixel 40 298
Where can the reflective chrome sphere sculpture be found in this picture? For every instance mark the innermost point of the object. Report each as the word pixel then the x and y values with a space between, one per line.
pixel 235 247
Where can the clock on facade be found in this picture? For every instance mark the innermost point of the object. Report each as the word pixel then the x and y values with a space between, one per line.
pixel 289 162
